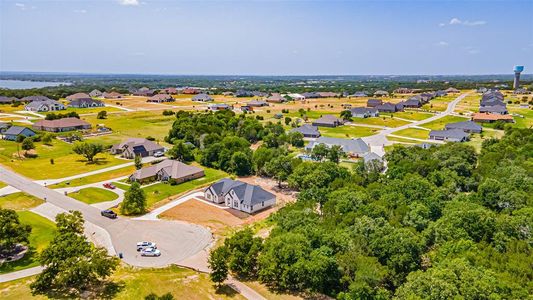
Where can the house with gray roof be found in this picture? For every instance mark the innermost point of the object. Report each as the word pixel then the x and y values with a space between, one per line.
pixel 276 98
pixel 85 103
pixel 95 93
pixel 390 107
pixel 239 195
pixel 371 156
pixel 496 109
pixel 7 100
pixel 364 112
pixel 46 105
pixel 358 95
pixel 34 98
pixel 492 102
pixel 381 93
pixel 257 103
pixel 310 95
pixel 328 121
pixel 78 96
pixel 413 102
pixel 218 106
pixel 167 170
pixel 449 135
pixel 373 102
pixel 466 126
pixel 307 130
pixel 352 147
pixel 136 146
pixel 159 98
pixel 13 132
pixel 202 98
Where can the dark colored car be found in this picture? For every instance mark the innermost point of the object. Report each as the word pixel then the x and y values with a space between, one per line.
pixel 108 213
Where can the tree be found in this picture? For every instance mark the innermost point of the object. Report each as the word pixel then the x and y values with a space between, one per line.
pixel 71 264
pixel 296 139
pixel 335 153
pixel 102 114
pixel 346 115
pixel 153 296
pixel 243 250
pixel 181 151
pixel 288 120
pixel 319 152
pixel 241 164
pixel 27 144
pixel 219 266
pixel 12 232
pixel 138 162
pixel 47 138
pixel 87 150
pixel 134 200
pixel 280 168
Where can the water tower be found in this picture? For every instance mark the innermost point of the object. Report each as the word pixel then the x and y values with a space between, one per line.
pixel 517 71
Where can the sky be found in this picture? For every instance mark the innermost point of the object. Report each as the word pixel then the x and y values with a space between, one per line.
pixel 267 37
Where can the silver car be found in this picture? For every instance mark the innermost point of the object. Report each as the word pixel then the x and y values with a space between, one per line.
pixel 144 245
pixel 150 252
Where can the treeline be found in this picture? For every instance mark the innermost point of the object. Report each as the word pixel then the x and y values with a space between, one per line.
pixel 442 223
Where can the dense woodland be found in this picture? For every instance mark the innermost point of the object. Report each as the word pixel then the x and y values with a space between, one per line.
pixel 441 223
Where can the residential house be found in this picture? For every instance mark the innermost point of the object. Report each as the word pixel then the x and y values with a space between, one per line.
pixel 7 100
pixel 373 102
pixel 449 135
pixel 144 92
pixel 358 95
pixel 136 146
pixel 296 97
pixel 412 102
pixel 219 106
pixel 61 125
pixel 482 90
pixel 78 96
pixel 490 118
pixel 190 91
pixel 276 98
pixel 257 103
pixel 95 93
pixel 168 170
pixel 239 195
pixel 202 98
pixel 328 121
pixel 244 93
pixel 169 90
pixel 112 95
pixel 364 112
pixel 426 97
pixel 159 98
pixel 47 105
pixel 13 132
pixel 381 93
pixel 466 126
pixel 403 90
pixel 310 95
pixel 307 130
pixel 390 107
pixel 86 103
pixel 440 93
pixel 352 147
pixel 521 91
pixel 496 109
pixel 371 156
pixel 35 98
pixel 328 94
pixel 452 90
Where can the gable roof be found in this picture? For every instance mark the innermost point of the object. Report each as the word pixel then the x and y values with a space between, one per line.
pixel 248 194
pixel 349 146
pixel 491 117
pixel 493 109
pixel 175 169
pixel 306 129
pixel 4 99
pixel 465 125
pixel 363 110
pixel 78 96
pixel 61 123
pixel 160 97
pixel 202 97
pixel 449 133
pixel 37 104
pixel 16 130
pixel 328 119
pixel 35 98
pixel 81 101
pixel 134 142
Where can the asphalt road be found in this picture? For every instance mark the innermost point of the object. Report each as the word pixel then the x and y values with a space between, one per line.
pixel 176 240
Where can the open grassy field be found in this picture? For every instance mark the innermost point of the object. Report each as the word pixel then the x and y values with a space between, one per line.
pixel 387 121
pixel 66 162
pixel 413 133
pixel 410 115
pixel 91 110
pixel 42 233
pixel 400 140
pixel 347 131
pixel 522 122
pixel 477 139
pixel 93 195
pixel 440 103
pixel 96 178
pixel 133 283
pixel 469 104
pixel 440 123
pixel 19 201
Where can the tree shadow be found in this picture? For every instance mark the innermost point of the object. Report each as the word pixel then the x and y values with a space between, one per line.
pixel 226 290
pixel 99 290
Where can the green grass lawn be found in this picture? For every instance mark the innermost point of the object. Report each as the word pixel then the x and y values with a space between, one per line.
pixel 477 139
pixel 41 234
pixel 526 121
pixel 410 115
pixel 137 283
pixel 96 178
pixel 66 162
pixel 380 121
pixel 440 123
pixel 347 131
pixel 92 110
pixel 397 139
pixel 413 133
pixel 440 103
pixel 93 195
pixel 160 191
pixel 121 185
pixel 19 201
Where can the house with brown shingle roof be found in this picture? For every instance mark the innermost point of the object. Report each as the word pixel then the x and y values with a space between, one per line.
pixel 112 95
pixel 159 98
pixel 78 96
pixel 276 98
pixel 490 118
pixel 61 125
pixel 328 121
pixel 136 146
pixel 167 170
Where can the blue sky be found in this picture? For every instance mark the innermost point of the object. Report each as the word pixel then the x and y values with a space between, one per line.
pixel 266 37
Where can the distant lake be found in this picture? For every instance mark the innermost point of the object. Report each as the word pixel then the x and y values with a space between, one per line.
pixel 26 84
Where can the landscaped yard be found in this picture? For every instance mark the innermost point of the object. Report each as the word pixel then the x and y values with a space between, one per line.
pixel 380 121
pixel 137 283
pixel 439 103
pixel 93 195
pixel 526 121
pixel 19 201
pixel 440 123
pixel 410 115
pixel 348 131
pixel 96 178
pixel 413 133
pixel 91 110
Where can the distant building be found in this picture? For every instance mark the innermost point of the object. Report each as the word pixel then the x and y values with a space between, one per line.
pixel 112 95
pixel 328 94
pixel 144 92
pixel 452 90
pixel 402 90
pixel 310 95
pixel 136 146
pixel 190 91
pixel 167 170
pixel 239 195
pixel 219 106
pixel 159 98
pixel 412 103
pixel 13 132
pixel 308 131
pixel 451 135
pixel 202 98
pixel 35 98
pixel 44 106
pixel 389 107
pixel 169 90
pixel 496 109
pixel 61 125
pixel 490 118
pixel 86 103
pixel 276 98
pixel 364 112
pixel 373 102
pixel 7 100
pixel 381 93
pixel 352 147
pixel 328 121
pixel 95 93
pixel 78 96
pixel 466 126
pixel 296 97
pixel 358 95
pixel 257 103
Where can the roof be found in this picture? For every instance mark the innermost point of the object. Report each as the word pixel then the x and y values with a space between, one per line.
pixel 16 130
pixel 353 146
pixel 4 99
pixel 451 90
pixel 451 133
pixel 466 125
pixel 412 101
pixel 363 110
pixel 61 123
pixel 490 117
pixel 202 97
pixel 37 104
pixel 219 105
pixel 370 156
pixel 175 169
pixel 493 109
pixel 276 98
pixel 78 96
pixel 35 98
pixel 80 101
pixel 257 102
pixel 249 194
pixel 376 101
pixel 134 142
pixel 306 129
pixel 160 97
pixel 380 92
pixel 328 119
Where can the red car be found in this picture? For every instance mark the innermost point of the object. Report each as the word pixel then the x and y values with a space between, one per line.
pixel 109 186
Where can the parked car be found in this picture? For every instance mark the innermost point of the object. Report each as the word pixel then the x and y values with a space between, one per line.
pixel 150 252
pixel 159 154
pixel 145 245
pixel 108 213
pixel 109 186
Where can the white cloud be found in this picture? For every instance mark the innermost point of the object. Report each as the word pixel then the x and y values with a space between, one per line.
pixel 442 44
pixel 456 21
pixel 442 24
pixel 23 6
pixel 471 50
pixel 129 2
pixel 80 11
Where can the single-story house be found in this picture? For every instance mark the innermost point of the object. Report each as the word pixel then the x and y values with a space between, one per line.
pixel 169 90
pixel 167 170
pixel 381 93
pixel 144 91
pixel 412 103
pixel 95 93
pixel 7 100
pixel 452 90
pixel 190 91
pixel 403 90
pixel 451 135
pixel 373 102
pixel 295 96
pixel 358 95
pixel 85 103
pixel 276 98
pixel 202 98
pixel 364 112
pixel 112 95
pixel 390 107
pixel 370 156
pixel 310 95
pixel 159 98
pixel 78 96
pixel 136 146
pixel 490 118
pixel 440 93
pixel 47 105
pixel 308 131
pixel 352 147
pixel 13 132
pixel 466 126
pixel 257 103
pixel 492 102
pixel 35 98
pixel 328 94
pixel 328 121
pixel 244 93
pixel 239 195
pixel 61 125
pixel 496 109
pixel 219 106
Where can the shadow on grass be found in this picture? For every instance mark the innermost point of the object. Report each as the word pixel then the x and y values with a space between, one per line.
pixel 100 290
pixel 226 290
pixel 29 260
pixel 96 161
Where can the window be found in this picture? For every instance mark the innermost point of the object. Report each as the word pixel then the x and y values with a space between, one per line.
pixel 263 203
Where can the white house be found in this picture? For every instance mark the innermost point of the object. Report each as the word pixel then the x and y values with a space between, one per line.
pixel 239 195
pixel 46 105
